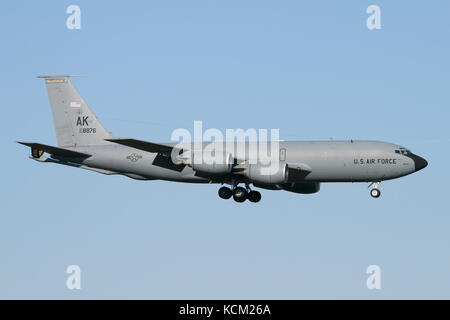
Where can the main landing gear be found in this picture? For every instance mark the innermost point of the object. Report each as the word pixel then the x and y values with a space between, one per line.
pixel 225 193
pixel 240 194
pixel 375 192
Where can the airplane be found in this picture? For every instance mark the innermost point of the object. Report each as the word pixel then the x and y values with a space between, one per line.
pixel 301 168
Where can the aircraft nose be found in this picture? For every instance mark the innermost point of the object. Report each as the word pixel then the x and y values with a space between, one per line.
pixel 419 162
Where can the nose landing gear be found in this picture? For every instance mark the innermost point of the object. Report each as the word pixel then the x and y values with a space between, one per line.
pixel 375 192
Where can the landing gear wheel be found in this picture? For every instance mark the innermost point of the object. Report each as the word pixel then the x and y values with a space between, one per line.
pixel 375 193
pixel 225 193
pixel 239 194
pixel 254 196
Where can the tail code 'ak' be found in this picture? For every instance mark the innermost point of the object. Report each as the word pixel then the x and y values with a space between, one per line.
pixel 75 124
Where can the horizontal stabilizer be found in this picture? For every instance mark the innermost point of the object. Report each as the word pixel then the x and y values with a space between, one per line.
pixel 143 145
pixel 60 76
pixel 55 150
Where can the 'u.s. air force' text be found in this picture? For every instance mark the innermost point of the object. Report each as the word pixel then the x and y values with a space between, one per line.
pixel 375 161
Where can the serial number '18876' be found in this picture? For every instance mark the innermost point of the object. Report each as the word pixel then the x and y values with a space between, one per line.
pixel 87 130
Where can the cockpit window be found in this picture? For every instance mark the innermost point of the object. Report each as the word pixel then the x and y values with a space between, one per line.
pixel 403 151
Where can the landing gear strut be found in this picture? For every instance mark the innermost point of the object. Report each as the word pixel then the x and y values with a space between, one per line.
pixel 375 192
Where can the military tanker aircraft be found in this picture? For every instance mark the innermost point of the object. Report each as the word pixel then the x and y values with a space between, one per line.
pixel 301 166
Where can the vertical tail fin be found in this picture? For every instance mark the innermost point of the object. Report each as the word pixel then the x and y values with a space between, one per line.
pixel 75 123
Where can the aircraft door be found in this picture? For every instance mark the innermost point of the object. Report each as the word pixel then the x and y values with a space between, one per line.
pixel 282 154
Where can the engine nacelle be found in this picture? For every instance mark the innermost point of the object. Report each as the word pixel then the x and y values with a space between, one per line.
pixel 218 164
pixel 303 187
pixel 257 174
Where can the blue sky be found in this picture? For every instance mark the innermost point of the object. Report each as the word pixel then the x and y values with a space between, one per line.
pixel 311 69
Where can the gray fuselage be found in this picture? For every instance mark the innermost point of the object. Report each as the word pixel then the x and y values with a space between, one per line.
pixel 328 161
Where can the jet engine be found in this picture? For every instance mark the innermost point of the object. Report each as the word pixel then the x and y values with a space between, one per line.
pixel 219 164
pixel 266 175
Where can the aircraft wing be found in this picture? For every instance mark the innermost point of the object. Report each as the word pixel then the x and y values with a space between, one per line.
pixel 37 149
pixel 142 145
